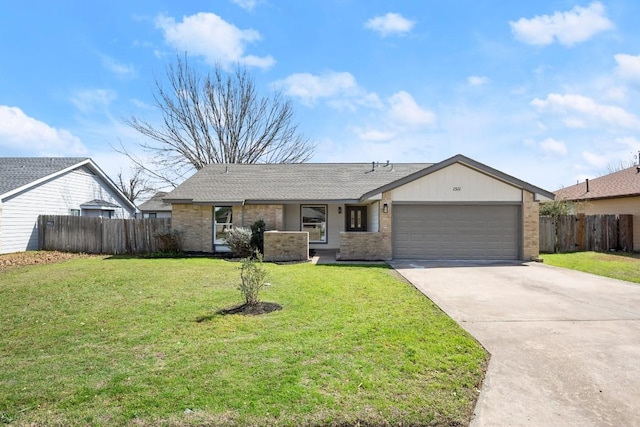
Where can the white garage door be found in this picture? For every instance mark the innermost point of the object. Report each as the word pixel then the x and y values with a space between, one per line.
pixel 456 232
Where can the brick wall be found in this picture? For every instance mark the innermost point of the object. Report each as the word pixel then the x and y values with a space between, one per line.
pixel 530 227
pixel 361 246
pixel 286 246
pixel 196 224
pixel 272 215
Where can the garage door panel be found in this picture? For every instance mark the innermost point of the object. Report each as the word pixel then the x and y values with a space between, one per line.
pixel 456 232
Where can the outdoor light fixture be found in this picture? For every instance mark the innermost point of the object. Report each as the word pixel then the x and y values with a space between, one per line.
pixel 385 208
pixel 339 209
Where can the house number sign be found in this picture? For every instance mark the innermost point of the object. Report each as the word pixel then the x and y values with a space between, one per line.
pixel 457 188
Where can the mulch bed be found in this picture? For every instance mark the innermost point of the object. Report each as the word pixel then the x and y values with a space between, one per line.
pixel 252 310
pixel 19 259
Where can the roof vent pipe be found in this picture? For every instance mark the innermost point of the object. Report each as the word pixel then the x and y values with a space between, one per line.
pixel 587 185
pixel 226 169
pixel 373 166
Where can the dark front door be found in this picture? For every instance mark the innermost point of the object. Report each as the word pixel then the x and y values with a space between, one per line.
pixel 356 218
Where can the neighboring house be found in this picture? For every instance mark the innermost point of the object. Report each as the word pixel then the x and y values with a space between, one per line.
pixel 616 193
pixel 155 207
pixel 455 209
pixel 32 186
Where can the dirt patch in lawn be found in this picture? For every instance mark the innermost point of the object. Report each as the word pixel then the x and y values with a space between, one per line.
pixel 252 310
pixel 245 309
pixel 19 259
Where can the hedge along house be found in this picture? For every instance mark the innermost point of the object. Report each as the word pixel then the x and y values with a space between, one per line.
pixel 455 209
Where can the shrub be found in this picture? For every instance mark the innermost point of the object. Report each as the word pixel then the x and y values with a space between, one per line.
pixel 169 242
pixel 555 208
pixel 239 241
pixel 257 236
pixel 252 278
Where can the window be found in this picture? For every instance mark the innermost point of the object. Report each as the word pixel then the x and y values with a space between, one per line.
pixel 74 212
pixel 223 221
pixel 314 220
pixel 153 215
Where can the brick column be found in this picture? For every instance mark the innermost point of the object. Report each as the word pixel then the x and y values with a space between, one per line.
pixel 530 227
pixel 386 244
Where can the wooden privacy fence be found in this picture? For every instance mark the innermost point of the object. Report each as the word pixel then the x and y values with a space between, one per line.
pixel 96 235
pixel 577 233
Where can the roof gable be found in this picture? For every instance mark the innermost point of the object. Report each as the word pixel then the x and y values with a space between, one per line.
pixel 624 183
pixel 19 174
pixel 473 164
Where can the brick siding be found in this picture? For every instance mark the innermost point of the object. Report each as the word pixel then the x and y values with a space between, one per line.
pixel 530 227
pixel 272 215
pixel 286 246
pixel 196 224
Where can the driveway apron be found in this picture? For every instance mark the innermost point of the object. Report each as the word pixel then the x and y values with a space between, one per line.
pixel 565 345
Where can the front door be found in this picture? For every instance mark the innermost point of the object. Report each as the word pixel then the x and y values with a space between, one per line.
pixel 356 218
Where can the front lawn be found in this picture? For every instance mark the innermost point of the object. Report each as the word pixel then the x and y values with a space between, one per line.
pixel 623 266
pixel 138 342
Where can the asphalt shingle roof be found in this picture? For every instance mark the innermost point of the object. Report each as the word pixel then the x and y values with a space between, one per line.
pixel 16 172
pixel 623 183
pixel 299 181
pixel 155 203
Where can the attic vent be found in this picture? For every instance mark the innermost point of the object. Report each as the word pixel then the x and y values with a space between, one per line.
pixel 376 165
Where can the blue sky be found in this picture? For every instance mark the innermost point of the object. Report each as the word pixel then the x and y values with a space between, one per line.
pixel 546 91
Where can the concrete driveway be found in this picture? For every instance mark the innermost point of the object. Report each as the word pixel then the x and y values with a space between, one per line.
pixel 565 345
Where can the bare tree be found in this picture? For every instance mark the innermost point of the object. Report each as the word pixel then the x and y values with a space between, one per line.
pixel 135 186
pixel 622 164
pixel 215 118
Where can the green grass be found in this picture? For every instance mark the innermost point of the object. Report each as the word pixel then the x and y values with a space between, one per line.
pixel 623 266
pixel 116 342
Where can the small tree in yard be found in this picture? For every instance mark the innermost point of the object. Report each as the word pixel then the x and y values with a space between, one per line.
pixel 253 278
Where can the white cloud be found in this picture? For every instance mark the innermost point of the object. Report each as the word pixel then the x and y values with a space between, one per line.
pixel 89 100
pixel 567 28
pixel 405 109
pixel 628 66
pixel 141 104
pixel 587 111
pixel 596 160
pixel 23 133
pixel 553 146
pixel 115 67
pixel 246 4
pixel 477 80
pixel 212 37
pixel 390 24
pixel 339 88
pixel 373 135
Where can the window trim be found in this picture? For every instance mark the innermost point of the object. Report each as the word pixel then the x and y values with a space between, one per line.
pixel 326 221
pixel 220 242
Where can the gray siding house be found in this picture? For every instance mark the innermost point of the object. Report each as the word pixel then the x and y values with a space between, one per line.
pixel 155 207
pixel 32 186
